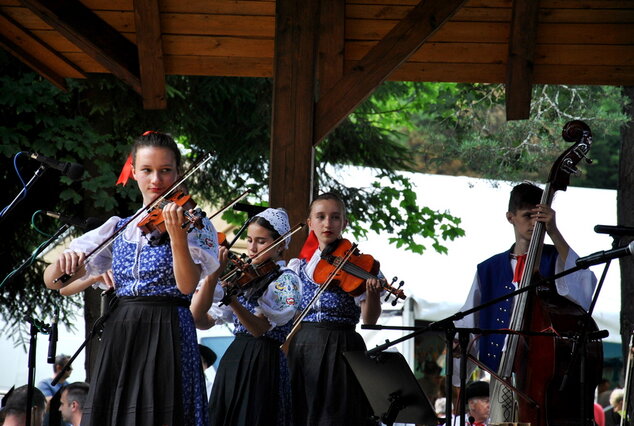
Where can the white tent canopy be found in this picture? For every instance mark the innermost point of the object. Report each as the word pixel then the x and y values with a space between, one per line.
pixel 439 283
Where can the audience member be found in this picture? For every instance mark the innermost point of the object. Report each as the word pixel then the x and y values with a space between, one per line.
pixel 14 411
pixel 603 392
pixel 208 357
pixel 45 385
pixel 72 402
pixel 612 412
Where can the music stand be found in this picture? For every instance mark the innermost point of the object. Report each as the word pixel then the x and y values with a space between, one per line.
pixel 391 388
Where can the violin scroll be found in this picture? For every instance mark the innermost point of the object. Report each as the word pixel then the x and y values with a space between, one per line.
pixel 395 291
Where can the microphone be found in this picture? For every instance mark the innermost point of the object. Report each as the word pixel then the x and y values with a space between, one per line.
pixel 604 256
pixel 86 224
pixel 72 170
pixel 614 230
pixel 250 209
pixel 52 340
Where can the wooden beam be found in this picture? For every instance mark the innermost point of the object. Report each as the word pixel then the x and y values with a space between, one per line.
pixel 331 43
pixel 27 47
pixel 37 66
pixel 521 56
pixel 292 153
pixel 398 45
pixel 149 44
pixel 92 35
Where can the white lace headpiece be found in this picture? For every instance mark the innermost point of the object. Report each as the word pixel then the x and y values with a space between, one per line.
pixel 278 218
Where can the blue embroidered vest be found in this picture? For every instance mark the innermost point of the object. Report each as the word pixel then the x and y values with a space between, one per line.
pixel 496 279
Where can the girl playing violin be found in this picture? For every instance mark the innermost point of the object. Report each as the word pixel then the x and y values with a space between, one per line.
pixel 325 390
pixel 252 385
pixel 148 369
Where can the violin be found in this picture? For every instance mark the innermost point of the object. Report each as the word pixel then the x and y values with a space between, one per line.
pixel 353 274
pixel 244 274
pixel 153 224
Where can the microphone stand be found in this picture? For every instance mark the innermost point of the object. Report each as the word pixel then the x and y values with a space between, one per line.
pixel 580 339
pixel 447 324
pixel 97 328
pixel 29 261
pixel 36 326
pixel 38 174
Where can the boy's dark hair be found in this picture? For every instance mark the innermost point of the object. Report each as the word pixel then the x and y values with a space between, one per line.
pixel 523 196
pixel 158 140
pixel 16 402
pixel 77 391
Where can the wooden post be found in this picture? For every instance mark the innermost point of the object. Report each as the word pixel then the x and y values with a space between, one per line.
pixel 292 155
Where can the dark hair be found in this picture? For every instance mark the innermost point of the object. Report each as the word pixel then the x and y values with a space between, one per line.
pixel 77 391
pixel 207 354
pixel 157 140
pixel 60 361
pixel 524 195
pixel 329 196
pixel 259 220
pixel 16 402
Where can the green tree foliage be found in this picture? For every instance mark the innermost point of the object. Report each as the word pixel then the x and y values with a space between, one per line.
pixel 95 122
pixel 461 129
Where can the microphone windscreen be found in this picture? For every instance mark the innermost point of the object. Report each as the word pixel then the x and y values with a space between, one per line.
pixel 75 171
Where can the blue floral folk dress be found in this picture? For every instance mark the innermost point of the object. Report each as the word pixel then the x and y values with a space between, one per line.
pixel 324 389
pixel 252 385
pixel 148 369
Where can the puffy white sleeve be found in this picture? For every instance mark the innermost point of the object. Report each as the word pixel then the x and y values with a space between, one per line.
pixel 577 287
pixel 203 247
pixel 294 265
pixel 280 300
pixel 468 321
pixel 101 262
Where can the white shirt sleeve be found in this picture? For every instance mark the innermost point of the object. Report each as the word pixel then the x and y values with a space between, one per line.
pixel 577 287
pixel 102 261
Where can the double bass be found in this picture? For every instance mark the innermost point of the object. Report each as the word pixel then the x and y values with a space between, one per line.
pixel 553 387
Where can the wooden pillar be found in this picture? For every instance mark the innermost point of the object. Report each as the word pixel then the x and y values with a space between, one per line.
pixel 292 154
pixel 521 57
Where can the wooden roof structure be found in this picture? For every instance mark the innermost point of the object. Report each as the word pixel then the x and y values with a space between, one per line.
pixel 326 56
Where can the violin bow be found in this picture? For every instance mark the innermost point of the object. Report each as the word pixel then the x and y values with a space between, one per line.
pixel 197 165
pixel 274 244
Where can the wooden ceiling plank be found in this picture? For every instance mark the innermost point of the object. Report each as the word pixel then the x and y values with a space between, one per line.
pixel 150 47
pixel 34 63
pixel 28 41
pixel 521 59
pixel 94 36
pixel 331 43
pixel 394 49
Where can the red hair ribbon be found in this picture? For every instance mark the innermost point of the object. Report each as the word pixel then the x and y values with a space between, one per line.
pixel 148 132
pixel 309 247
pixel 126 172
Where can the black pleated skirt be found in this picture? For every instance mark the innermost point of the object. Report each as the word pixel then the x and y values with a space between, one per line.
pixel 252 385
pixel 148 369
pixel 325 391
